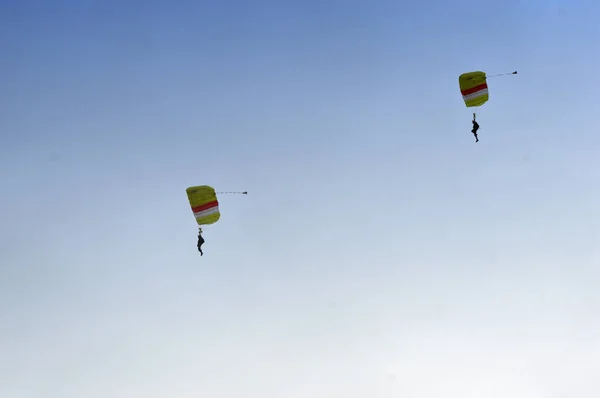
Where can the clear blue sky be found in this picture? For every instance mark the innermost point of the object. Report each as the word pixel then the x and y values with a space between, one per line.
pixel 380 251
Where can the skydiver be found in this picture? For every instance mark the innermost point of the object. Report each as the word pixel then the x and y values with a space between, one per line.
pixel 200 242
pixel 475 128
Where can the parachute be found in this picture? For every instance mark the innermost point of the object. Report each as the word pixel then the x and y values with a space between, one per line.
pixel 204 203
pixel 205 206
pixel 474 88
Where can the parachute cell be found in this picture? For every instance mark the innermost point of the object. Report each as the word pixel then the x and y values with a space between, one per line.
pixel 204 203
pixel 474 88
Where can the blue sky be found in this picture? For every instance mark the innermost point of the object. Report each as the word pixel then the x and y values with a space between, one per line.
pixel 380 252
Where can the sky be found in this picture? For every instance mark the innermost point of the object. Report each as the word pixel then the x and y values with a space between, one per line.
pixel 380 252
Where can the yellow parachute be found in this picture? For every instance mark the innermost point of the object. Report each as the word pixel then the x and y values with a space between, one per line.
pixel 205 206
pixel 474 88
pixel 204 203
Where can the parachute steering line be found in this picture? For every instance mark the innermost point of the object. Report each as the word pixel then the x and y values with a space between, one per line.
pixel 474 89
pixel 503 74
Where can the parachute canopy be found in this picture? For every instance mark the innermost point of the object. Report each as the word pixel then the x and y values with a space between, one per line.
pixel 474 89
pixel 204 203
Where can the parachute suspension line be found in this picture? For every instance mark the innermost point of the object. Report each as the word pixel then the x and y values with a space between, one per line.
pixel 232 193
pixel 502 74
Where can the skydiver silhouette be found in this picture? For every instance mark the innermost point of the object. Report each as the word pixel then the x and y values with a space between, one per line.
pixel 200 242
pixel 475 128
